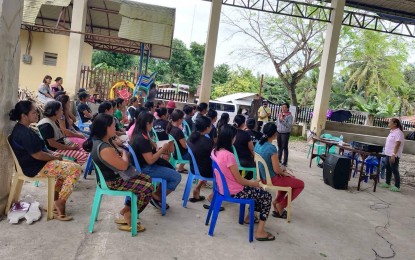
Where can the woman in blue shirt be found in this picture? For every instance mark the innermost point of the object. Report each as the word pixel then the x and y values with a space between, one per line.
pixel 279 176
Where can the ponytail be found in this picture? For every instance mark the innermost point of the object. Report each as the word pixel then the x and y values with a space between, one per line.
pixel 238 121
pixel 269 130
pixel 202 123
pixel 21 108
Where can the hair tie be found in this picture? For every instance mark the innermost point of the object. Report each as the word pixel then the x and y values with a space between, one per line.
pixel 265 136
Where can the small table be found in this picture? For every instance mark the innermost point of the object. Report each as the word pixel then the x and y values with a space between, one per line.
pixel 361 154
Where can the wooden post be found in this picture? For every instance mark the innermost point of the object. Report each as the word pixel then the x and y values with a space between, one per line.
pixel 260 86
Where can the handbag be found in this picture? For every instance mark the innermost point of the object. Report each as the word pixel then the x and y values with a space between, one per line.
pixel 126 175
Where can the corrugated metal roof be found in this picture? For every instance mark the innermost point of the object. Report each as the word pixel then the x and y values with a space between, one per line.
pixel 236 96
pixel 131 22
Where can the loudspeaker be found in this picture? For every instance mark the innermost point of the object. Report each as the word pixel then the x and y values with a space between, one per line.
pixel 336 170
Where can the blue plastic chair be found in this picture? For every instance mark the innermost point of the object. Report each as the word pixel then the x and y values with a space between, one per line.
pixel 179 158
pixel 89 167
pixel 82 125
pixel 241 168
pixel 102 189
pixel 154 180
pixel 191 177
pixel 226 196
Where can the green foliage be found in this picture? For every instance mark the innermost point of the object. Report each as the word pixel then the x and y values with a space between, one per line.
pixel 184 66
pixel 221 74
pixel 241 80
pixel 113 60
pixel 274 90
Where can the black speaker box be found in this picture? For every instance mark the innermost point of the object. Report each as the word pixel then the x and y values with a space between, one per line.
pixel 336 170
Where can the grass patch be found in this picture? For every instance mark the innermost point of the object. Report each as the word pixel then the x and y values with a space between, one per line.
pixel 297 138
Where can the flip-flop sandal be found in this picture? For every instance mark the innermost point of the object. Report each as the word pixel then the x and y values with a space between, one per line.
pixel 201 198
pixel 256 221
pixel 121 221
pixel 395 189
pixel 270 237
pixel 183 171
pixel 140 228
pixel 206 206
pixel 275 214
pixel 157 204
pixel 62 217
pixel 385 185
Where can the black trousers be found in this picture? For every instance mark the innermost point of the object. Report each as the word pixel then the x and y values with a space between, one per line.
pixel 393 168
pixel 282 139
pixel 248 163
pixel 259 125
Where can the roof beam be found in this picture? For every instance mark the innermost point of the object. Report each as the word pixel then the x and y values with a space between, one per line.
pixel 322 13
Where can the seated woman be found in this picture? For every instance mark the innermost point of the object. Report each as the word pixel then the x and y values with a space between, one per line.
pixel 239 187
pixel 109 158
pixel 201 146
pixel 37 161
pixel 66 123
pixel 121 111
pixel 55 139
pixel 148 155
pixel 160 124
pixel 243 145
pixel 255 135
pixel 224 120
pixel 279 177
pixel 174 130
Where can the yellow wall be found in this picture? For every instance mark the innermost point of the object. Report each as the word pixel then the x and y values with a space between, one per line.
pixel 31 75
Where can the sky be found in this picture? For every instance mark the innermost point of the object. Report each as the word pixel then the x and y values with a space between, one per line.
pixel 192 19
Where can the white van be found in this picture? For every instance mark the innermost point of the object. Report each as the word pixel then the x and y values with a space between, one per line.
pixel 232 108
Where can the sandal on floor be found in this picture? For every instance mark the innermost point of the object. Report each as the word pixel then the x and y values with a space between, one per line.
pixel 256 221
pixel 183 171
pixel 395 189
pixel 270 237
pixel 62 217
pixel 121 221
pixel 157 204
pixel 193 200
pixel 283 215
pixel 140 228
pixel 385 185
pixel 206 206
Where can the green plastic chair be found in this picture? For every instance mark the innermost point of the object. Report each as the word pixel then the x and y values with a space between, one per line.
pixel 186 130
pixel 154 136
pixel 102 189
pixel 321 148
pixel 179 158
pixel 244 169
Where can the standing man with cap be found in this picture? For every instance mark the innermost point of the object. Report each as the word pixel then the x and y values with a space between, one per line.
pixel 263 113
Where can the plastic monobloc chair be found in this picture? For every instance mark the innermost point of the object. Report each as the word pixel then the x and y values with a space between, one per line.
pixel 18 180
pixel 89 167
pixel 269 186
pixel 186 129
pixel 192 176
pixel 244 169
pixel 179 158
pixel 82 126
pixel 102 189
pixel 218 198
pixel 154 180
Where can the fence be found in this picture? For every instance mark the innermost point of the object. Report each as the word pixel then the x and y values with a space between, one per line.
pixel 100 81
pixel 176 95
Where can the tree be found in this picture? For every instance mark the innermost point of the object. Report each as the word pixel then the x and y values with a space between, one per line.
pixel 221 74
pixel 293 45
pixel 241 80
pixel 119 61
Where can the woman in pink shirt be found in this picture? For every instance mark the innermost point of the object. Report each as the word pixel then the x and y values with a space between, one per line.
pixel 240 187
pixel 393 151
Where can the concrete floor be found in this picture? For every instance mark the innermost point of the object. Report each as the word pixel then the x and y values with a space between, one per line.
pixel 326 224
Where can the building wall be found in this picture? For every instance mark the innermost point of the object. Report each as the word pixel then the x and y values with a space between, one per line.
pixel 31 75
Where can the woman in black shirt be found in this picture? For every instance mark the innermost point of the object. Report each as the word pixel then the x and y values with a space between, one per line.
pixel 160 124
pixel 110 159
pixel 36 161
pixel 174 130
pixel 243 145
pixel 149 157
pixel 201 146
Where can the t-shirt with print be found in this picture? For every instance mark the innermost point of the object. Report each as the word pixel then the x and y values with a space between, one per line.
pixel 241 145
pixel 81 108
pixel 201 150
pixel 255 135
pixel 178 134
pixel 25 142
pixel 141 144
pixel 225 160
pixel 160 126
pixel 266 151
pixel 47 132
pixel 393 137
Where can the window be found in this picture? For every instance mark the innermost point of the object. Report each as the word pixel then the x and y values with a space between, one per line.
pixel 228 108
pixel 50 58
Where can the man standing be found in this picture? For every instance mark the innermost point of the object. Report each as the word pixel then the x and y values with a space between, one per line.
pixel 263 113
